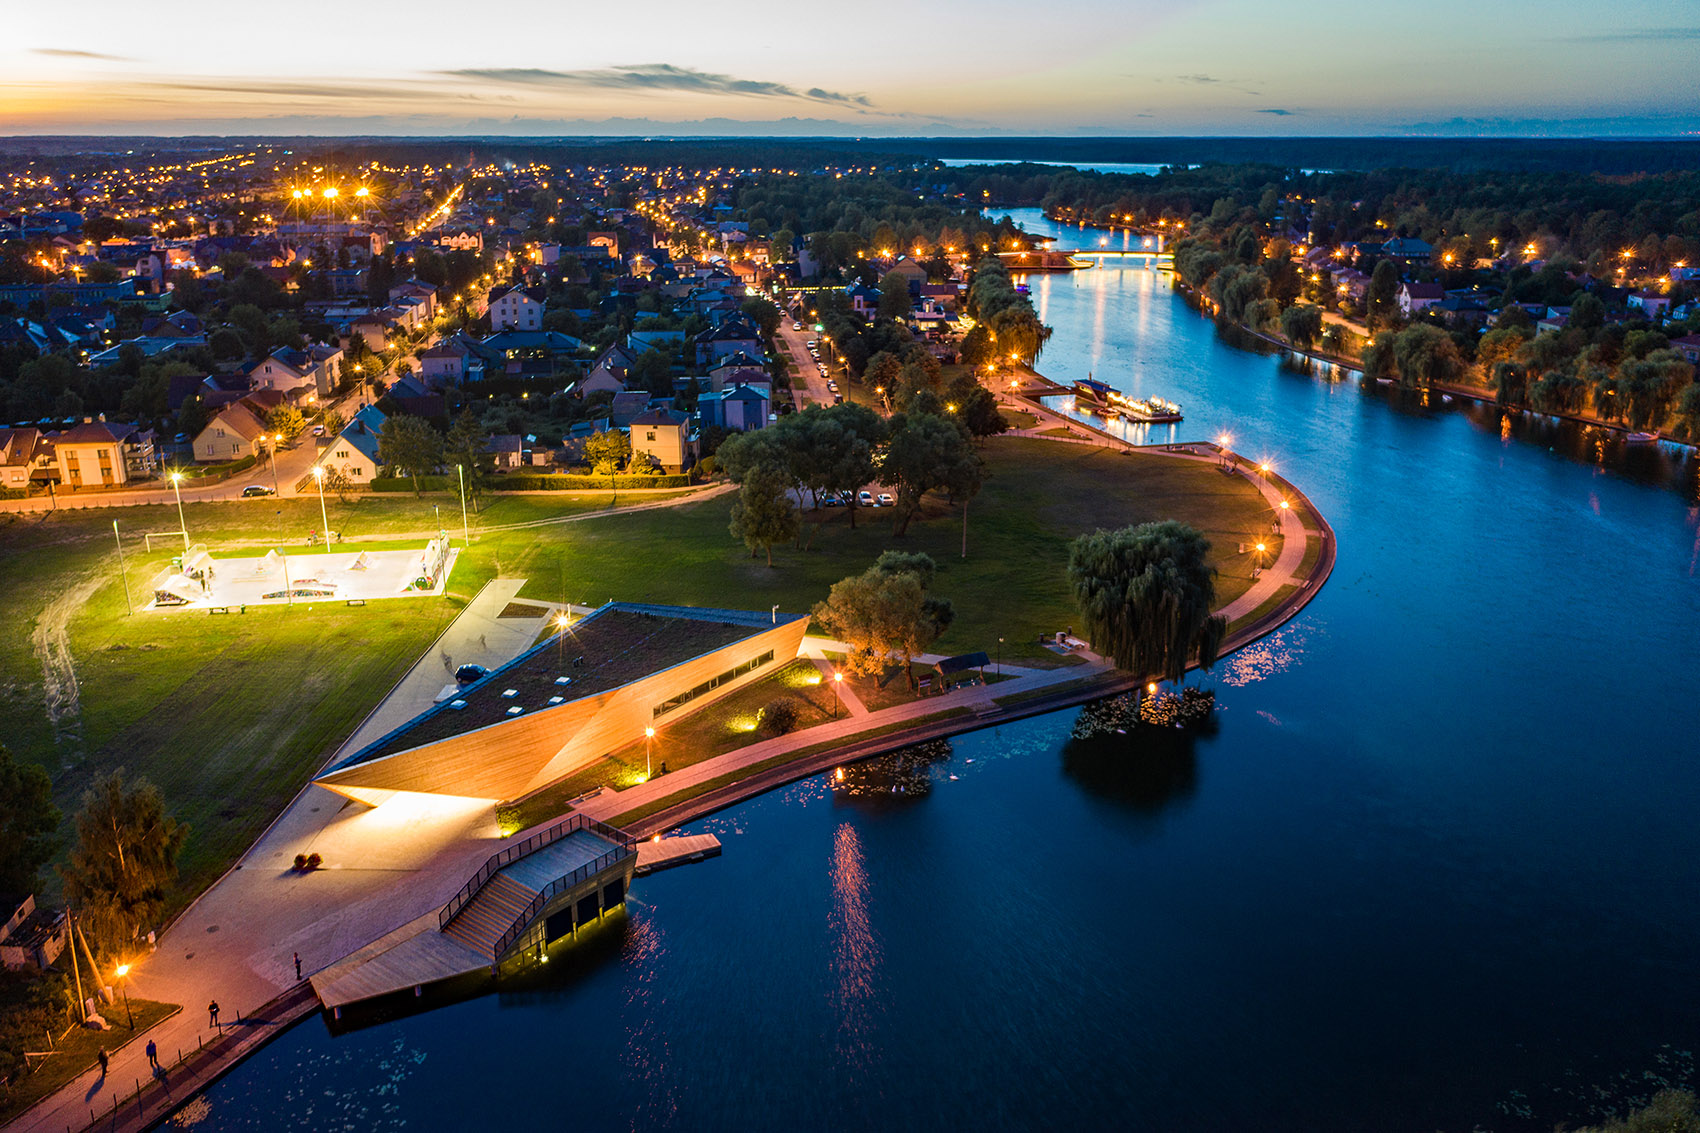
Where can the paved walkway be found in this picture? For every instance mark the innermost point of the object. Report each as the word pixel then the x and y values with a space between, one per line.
pixel 383 868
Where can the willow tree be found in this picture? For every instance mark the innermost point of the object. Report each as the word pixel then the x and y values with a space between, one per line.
pixel 1146 593
pixel 125 859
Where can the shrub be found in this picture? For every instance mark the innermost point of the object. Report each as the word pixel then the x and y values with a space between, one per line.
pixel 781 715
pixel 314 861
pixel 301 863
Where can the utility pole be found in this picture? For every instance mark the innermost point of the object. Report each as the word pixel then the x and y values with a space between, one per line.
pixel 122 570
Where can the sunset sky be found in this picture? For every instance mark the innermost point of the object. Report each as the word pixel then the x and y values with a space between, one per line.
pixel 880 67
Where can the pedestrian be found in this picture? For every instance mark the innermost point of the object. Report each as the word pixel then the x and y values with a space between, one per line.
pixel 298 965
pixel 104 1059
pixel 153 1055
pixel 212 1013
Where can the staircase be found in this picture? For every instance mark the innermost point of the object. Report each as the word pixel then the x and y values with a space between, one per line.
pixel 495 907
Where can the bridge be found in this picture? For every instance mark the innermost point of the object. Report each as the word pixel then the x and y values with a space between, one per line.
pixel 1072 259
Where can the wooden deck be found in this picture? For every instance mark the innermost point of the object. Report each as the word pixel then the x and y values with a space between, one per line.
pixel 668 852
pixel 414 955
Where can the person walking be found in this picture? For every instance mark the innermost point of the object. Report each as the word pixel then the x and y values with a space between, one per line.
pixel 104 1059
pixel 153 1055
pixel 298 965
pixel 212 1014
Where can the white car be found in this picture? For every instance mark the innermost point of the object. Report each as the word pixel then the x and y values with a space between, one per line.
pixel 886 500
pixel 864 499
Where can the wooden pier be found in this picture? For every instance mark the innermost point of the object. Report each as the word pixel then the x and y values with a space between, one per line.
pixel 664 853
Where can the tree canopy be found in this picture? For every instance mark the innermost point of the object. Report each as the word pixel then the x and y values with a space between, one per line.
pixel 410 447
pixel 1146 595
pixel 884 614
pixel 125 857
pixel 28 820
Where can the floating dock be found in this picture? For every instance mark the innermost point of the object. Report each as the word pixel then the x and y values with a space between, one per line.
pixel 665 853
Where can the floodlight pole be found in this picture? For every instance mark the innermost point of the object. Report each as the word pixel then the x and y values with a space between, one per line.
pixel 465 530
pixel 181 522
pixel 122 570
pixel 324 519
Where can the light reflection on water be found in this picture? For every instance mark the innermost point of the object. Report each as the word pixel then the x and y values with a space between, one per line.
pixel 855 951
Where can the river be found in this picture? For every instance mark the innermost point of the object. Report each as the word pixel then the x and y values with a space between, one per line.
pixel 1435 870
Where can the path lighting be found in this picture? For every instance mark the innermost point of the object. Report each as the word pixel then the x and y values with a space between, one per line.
pixel 181 523
pixel 121 971
pixel 648 749
pixel 837 679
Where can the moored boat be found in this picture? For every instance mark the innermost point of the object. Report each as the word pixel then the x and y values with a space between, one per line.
pixel 1097 392
pixel 1146 410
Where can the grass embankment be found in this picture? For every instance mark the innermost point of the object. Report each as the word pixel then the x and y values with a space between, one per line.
pixel 230 715
pixel 76 1051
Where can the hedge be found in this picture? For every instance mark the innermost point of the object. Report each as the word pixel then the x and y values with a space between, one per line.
pixel 204 471
pixel 549 482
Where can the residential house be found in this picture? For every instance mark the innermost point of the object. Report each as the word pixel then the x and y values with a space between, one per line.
pixel 1650 303
pixel 1416 297
pixel 22 451
pixel 627 407
pixel 506 449
pixel 738 369
pixel 1408 249
pixel 740 408
pixel 31 937
pixel 666 436
pixel 913 273
pixel 1352 284
pixel 232 434
pixel 735 336
pixel 865 301
pixel 516 308
pixel 355 449
pixel 1688 346
pixel 94 454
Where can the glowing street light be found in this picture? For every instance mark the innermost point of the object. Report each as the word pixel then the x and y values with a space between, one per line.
pixel 837 679
pixel 121 971
pixel 324 520
pixel 176 476
pixel 648 749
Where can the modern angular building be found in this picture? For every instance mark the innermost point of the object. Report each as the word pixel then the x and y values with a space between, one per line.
pixel 570 700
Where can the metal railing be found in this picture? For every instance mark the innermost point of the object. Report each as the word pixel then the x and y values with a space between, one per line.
pixel 627 848
pixel 519 850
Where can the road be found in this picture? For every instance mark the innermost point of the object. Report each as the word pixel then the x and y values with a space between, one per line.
pixel 795 343
pixel 293 462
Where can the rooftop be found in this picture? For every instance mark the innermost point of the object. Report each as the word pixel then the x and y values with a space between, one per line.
pixel 615 645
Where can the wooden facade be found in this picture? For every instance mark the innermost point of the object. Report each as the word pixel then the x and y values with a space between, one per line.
pixel 514 757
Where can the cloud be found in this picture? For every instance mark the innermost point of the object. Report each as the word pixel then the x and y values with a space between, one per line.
pixel 286 89
pixel 1634 35
pixel 657 77
pixel 1197 79
pixel 1278 112
pixel 68 53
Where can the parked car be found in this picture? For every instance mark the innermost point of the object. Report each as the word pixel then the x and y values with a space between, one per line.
pixel 832 384
pixel 830 500
pixel 886 500
pixel 865 499
pixel 796 326
pixel 253 490
pixel 470 674
pixel 318 430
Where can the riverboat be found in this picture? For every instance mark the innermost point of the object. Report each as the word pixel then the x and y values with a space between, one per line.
pixel 1099 393
pixel 1145 410
pixel 1641 438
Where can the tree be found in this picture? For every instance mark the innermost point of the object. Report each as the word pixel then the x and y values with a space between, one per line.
pixel 884 614
pixel 125 859
pixel 1302 324
pixel 975 406
pixel 1146 594
pixel 894 296
pixel 287 420
pixel 468 447
pixel 927 452
pixel 1688 413
pixel 411 447
pixel 607 451
pixel 1381 299
pixel 337 480
pixel 763 513
pixel 28 819
pixel 883 369
pixel 766 315
pixel 1426 356
pixel 1378 358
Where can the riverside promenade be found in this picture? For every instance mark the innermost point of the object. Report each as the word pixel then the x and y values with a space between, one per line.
pixel 391 864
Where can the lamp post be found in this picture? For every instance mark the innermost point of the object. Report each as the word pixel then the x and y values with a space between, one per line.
pixel 837 678
pixel 181 523
pixel 122 971
pixel 465 530
pixel 324 520
pixel 275 439
pixel 1000 656
pixel 648 752
pixel 1257 564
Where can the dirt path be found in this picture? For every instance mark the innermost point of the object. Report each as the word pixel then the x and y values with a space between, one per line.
pixel 52 643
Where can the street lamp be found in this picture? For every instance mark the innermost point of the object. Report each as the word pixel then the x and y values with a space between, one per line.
pixel 648 750
pixel 324 520
pixel 837 678
pixel 181 523
pixel 1000 656
pixel 277 489
pixel 122 971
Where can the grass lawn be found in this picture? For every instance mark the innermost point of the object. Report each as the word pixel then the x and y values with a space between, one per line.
pixel 1019 419
pixel 230 715
pixel 75 1053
